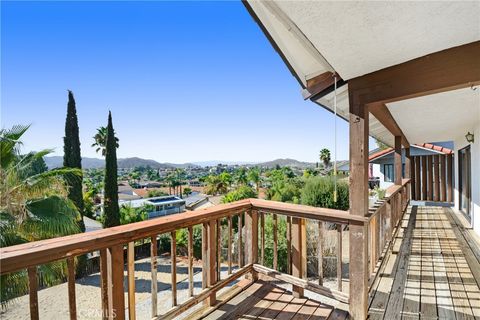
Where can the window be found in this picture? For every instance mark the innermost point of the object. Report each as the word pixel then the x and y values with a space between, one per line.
pixel 388 172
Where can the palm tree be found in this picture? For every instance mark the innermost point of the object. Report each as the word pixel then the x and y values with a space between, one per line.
pixel 33 206
pixel 218 184
pixel 254 176
pixel 325 157
pixel 241 176
pixel 101 140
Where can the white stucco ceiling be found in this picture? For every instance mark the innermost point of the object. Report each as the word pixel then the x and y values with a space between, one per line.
pixel 438 117
pixel 359 37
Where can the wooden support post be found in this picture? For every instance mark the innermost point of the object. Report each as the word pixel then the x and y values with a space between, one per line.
pixel 408 163
pixel 173 271
pixel 398 160
pixel 358 249
pixel 211 260
pixel 115 265
pixel 319 252
pixel 418 182
pixel 32 289
pixel 450 178
pixel 131 280
pixel 298 226
pixel 190 262
pixel 436 169
pixel 424 177
pixel 251 241
pixel 72 302
pixel 430 177
pixel 443 178
pixel 153 267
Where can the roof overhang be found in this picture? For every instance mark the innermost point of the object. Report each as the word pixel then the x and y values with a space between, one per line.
pixel 352 40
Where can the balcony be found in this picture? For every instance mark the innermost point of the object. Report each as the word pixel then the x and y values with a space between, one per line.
pixel 413 253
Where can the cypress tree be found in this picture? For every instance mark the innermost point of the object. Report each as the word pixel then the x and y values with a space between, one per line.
pixel 111 209
pixel 72 157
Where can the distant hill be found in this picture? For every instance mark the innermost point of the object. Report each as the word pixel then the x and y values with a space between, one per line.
pixel 94 163
pixel 286 163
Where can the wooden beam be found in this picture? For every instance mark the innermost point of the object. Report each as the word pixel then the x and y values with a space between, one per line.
pixel 382 114
pixel 358 190
pixel 450 69
pixel 320 83
pixel 33 295
pixel 398 160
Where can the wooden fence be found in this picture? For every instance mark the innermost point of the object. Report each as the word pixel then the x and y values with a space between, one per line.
pixel 432 178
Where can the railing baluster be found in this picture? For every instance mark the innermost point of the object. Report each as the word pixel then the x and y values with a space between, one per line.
pixel 104 283
pixel 204 255
pixel 298 230
pixel 229 254
pixel 211 300
pixel 72 303
pixel 153 265
pixel 240 255
pixel 173 254
pixel 131 280
pixel 33 288
pixel 319 252
pixel 262 240
pixel 275 242
pixel 289 245
pixel 219 248
pixel 339 256
pixel 190 261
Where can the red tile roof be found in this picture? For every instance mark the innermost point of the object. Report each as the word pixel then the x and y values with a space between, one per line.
pixel 436 148
pixel 423 145
pixel 379 153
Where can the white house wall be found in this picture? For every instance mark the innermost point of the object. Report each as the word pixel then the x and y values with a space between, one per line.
pixel 460 143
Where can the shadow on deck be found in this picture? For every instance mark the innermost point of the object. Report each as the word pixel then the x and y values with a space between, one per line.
pixel 434 273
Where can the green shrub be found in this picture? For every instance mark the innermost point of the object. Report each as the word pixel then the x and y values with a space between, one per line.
pixel 318 192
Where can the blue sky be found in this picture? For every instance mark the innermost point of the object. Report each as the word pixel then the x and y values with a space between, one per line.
pixel 185 81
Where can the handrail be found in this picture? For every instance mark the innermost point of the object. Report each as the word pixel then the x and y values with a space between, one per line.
pixel 31 254
pixel 40 252
pixel 390 193
pixel 307 212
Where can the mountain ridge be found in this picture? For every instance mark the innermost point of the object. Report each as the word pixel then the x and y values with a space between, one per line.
pixel 131 162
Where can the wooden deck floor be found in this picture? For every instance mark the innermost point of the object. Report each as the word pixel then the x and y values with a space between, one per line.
pixel 262 300
pixel 432 274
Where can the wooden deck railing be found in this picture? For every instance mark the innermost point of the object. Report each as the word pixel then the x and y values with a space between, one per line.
pixel 249 235
pixel 383 221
